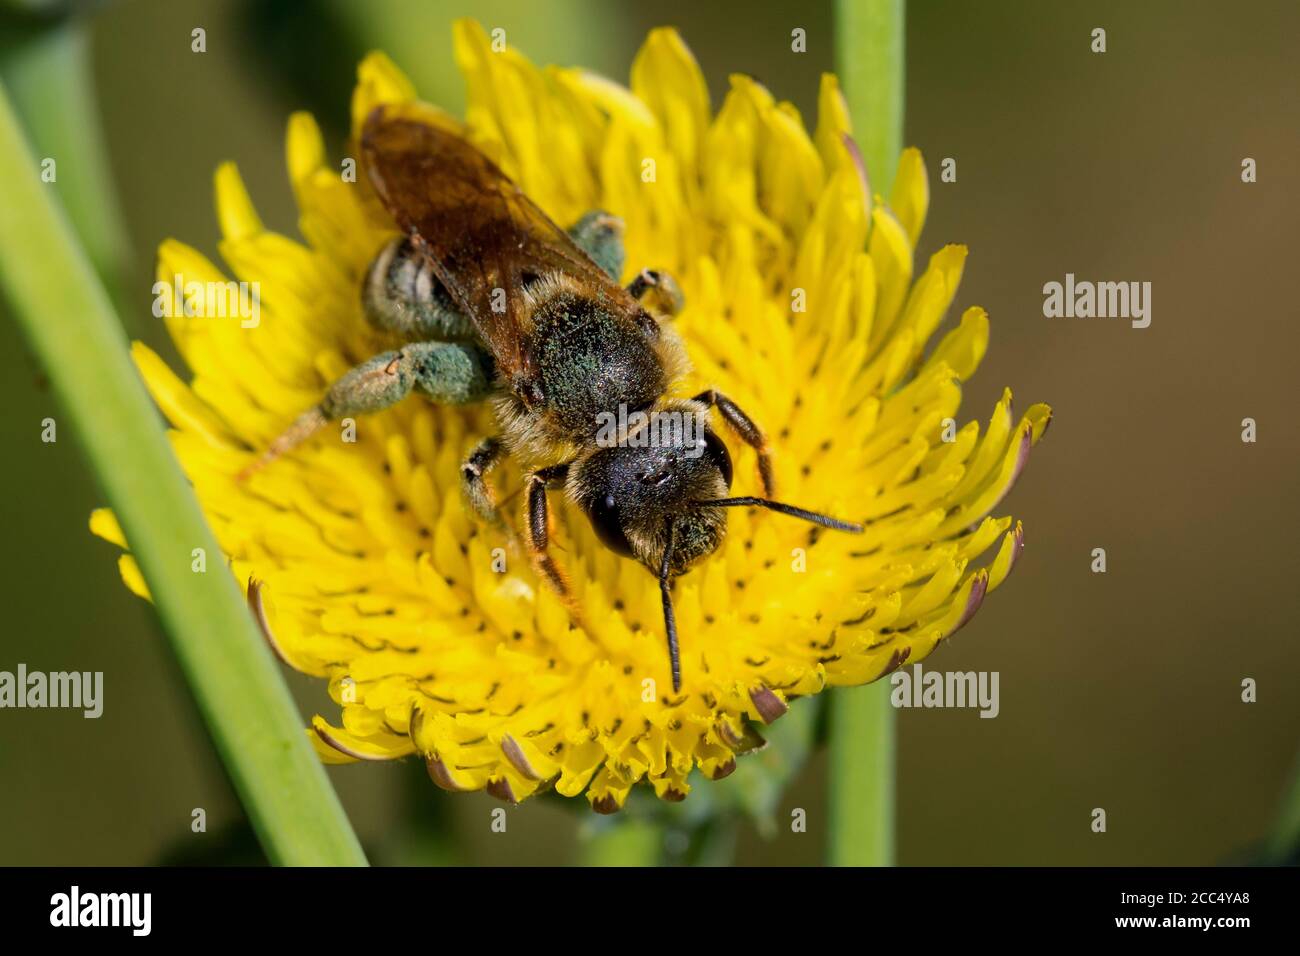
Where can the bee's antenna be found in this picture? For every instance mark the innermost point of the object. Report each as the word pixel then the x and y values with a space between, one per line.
pixel 670 621
pixel 791 510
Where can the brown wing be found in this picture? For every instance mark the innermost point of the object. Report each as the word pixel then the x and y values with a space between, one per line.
pixel 480 231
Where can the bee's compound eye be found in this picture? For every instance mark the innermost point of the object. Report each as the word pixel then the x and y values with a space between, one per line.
pixel 718 454
pixel 603 511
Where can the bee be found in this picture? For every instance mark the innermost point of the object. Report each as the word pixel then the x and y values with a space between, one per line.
pixel 497 303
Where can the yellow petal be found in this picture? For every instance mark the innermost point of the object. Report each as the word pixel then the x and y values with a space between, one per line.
pixel 911 196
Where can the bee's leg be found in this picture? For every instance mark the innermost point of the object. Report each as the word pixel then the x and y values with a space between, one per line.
pixel 447 373
pixel 658 290
pixel 749 433
pixel 474 479
pixel 539 532
pixel 600 235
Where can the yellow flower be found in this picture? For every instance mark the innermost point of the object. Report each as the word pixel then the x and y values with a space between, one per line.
pixel 800 305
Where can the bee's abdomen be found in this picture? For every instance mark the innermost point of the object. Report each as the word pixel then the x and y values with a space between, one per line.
pixel 400 293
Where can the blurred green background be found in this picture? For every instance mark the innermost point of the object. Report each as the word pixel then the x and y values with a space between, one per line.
pixel 1119 691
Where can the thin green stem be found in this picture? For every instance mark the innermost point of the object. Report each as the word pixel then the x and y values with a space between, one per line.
pixel 47 69
pixel 869 60
pixel 862 758
pixel 63 310
pixel 869 55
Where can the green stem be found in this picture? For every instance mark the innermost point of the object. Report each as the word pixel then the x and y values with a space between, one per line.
pixel 47 68
pixel 869 60
pixel 66 316
pixel 862 757
pixel 869 54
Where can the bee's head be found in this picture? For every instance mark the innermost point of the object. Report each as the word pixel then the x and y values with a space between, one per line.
pixel 630 491
pixel 657 491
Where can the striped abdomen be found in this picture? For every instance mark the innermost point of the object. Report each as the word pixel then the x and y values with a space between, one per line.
pixel 401 294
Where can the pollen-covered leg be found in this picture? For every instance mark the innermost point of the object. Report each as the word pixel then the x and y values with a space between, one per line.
pixel 749 433
pixel 474 479
pixel 600 235
pixel 658 291
pixel 447 373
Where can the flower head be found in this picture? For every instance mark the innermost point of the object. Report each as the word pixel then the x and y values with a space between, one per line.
pixel 435 635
